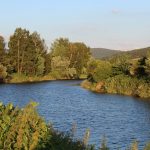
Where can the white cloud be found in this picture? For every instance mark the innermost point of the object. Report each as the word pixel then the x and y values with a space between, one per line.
pixel 115 11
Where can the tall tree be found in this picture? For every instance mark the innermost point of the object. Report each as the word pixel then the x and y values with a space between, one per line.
pixel 60 47
pixel 17 45
pixel 2 50
pixel 27 52
pixel 40 50
pixel 48 59
pixel 77 54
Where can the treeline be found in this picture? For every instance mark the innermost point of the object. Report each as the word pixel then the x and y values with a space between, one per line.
pixel 120 75
pixel 28 56
pixel 24 129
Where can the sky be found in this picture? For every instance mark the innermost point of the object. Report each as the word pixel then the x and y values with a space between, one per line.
pixel 113 24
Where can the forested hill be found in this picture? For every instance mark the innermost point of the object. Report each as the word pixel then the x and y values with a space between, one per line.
pixel 107 53
pixel 137 53
pixel 103 52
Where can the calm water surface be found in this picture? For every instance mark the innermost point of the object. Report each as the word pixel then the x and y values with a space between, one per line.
pixel 122 119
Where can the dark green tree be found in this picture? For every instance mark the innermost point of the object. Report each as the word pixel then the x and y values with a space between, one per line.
pixel 121 65
pixel 77 54
pixel 48 59
pixel 17 48
pixel 27 52
pixel 2 50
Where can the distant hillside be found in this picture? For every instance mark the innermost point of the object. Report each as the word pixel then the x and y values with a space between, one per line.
pixel 107 53
pixel 103 52
pixel 138 52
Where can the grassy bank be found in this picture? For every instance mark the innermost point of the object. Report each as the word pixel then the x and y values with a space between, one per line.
pixel 121 84
pixel 21 78
pixel 119 75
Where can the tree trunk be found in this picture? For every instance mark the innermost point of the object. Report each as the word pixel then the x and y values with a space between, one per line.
pixel 18 70
pixel 22 59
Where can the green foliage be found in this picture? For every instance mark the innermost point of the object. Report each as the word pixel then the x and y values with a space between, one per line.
pixel 60 47
pixel 99 70
pixel 40 66
pixel 16 78
pixel 103 71
pixel 121 65
pixel 21 128
pixel 2 50
pixel 91 67
pixel 3 72
pixel 121 75
pixel 79 56
pixel 48 59
pixel 122 84
pixel 25 129
pixel 62 141
pixel 60 68
pixel 76 54
pixel 27 52
pixel 27 55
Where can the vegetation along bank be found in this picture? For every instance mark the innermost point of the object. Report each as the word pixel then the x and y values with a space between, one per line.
pixel 119 75
pixel 28 59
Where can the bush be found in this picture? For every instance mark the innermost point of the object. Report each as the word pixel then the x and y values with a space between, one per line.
pixel 102 72
pixel 24 129
pixel 21 128
pixel 3 72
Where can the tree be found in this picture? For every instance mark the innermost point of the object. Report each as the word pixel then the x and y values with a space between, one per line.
pixel 3 72
pixel 40 66
pixel 2 50
pixel 60 47
pixel 99 70
pixel 17 45
pixel 91 67
pixel 48 59
pixel 148 64
pixel 121 65
pixel 139 68
pixel 27 52
pixel 78 54
pixel 103 71
pixel 39 44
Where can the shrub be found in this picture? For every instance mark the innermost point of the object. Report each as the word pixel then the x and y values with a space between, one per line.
pixel 21 128
pixel 3 72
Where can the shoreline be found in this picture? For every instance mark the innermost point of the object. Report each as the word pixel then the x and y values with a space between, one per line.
pixel 94 87
pixel 36 80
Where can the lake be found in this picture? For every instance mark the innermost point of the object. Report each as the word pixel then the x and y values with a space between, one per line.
pixel 121 119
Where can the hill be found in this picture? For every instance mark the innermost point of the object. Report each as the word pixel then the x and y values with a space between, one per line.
pixel 103 52
pixel 137 53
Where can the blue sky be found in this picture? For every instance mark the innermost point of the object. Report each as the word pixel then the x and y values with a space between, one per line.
pixel 115 24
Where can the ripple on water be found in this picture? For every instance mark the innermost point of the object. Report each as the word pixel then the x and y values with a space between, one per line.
pixel 122 119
